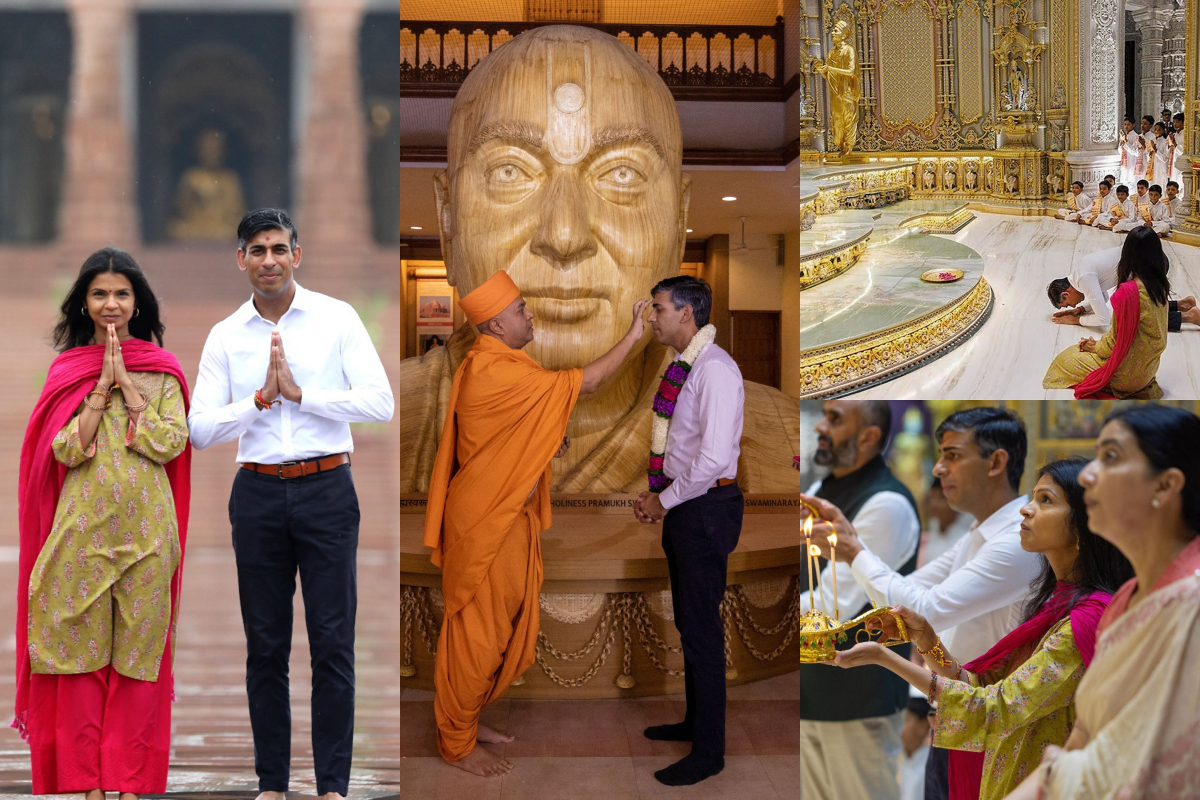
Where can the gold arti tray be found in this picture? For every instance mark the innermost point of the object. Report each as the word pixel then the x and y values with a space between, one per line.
pixel 948 275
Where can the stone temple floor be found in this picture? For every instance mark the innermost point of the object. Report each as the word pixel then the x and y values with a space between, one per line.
pixel 568 749
pixel 1008 356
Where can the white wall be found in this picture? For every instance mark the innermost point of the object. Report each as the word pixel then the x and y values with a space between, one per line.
pixel 755 283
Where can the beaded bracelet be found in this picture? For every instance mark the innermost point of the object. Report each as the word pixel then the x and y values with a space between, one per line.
pixel 105 407
pixel 263 405
pixel 938 654
pixel 933 676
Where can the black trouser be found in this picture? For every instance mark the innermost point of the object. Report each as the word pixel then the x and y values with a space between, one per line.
pixel 698 537
pixel 937 774
pixel 310 523
pixel 1174 316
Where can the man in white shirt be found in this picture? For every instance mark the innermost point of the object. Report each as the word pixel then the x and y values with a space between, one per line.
pixel 1175 201
pixel 701 510
pixel 972 595
pixel 850 724
pixel 1084 297
pixel 293 504
pixel 1077 203
pixel 1129 147
pixel 1101 205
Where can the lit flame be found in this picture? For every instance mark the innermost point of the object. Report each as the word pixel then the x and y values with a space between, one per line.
pixel 814 551
pixel 808 527
pixel 833 539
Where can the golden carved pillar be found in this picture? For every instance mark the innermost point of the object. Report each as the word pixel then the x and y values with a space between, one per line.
pixel 1191 175
pixel 98 205
pixel 333 210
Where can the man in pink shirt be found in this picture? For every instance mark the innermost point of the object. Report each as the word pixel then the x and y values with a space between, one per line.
pixel 698 500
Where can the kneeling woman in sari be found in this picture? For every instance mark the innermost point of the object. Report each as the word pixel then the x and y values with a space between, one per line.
pixel 1124 362
pixel 997 713
pixel 104 482
pixel 1137 734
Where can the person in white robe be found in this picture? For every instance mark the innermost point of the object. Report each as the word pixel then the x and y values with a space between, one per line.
pixel 1129 151
pixel 1101 205
pixel 1161 216
pixel 1141 208
pixel 1077 203
pixel 1123 208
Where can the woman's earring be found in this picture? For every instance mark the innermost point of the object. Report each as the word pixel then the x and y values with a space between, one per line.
pixel 137 311
pixel 83 311
pixel 1154 503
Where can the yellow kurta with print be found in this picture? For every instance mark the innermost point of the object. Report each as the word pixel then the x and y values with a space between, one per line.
pixel 100 591
pixel 1013 720
pixel 1135 377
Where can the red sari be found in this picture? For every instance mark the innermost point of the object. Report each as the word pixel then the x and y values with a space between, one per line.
pixel 113 732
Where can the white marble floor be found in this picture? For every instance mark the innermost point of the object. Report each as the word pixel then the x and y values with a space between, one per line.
pixel 1008 356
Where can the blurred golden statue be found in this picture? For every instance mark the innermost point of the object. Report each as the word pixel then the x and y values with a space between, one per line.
pixel 840 71
pixel 564 168
pixel 208 202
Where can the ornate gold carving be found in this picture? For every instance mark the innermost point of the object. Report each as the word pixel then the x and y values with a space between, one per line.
pixel 854 364
pixel 907 67
pixel 970 62
pixel 820 267
pixel 940 221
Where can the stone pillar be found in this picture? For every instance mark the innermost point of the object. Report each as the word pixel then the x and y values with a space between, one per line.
pixel 1174 57
pixel 1095 117
pixel 1151 23
pixel 99 198
pixel 332 209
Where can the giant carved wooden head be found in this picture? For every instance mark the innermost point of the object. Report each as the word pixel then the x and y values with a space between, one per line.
pixel 564 169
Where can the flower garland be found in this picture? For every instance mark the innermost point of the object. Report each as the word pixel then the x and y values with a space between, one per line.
pixel 664 403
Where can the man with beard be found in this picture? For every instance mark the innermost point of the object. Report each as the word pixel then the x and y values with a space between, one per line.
pixel 850 720
pixel 564 158
pixel 972 595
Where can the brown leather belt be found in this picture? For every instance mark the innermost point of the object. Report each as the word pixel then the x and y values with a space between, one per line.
pixel 300 469
pixel 723 482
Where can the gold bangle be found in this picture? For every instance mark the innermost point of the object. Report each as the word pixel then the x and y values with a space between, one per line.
pixel 140 407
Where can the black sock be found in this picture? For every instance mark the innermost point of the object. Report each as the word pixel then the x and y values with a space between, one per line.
pixel 692 768
pixel 677 732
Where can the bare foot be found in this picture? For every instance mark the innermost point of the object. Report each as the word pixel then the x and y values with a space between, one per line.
pixel 1186 303
pixel 486 734
pixel 271 796
pixel 128 796
pixel 333 796
pixel 483 763
pixel 94 794
pixel 1192 315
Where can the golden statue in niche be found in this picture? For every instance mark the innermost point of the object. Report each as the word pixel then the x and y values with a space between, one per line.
pixel 840 71
pixel 564 168
pixel 208 202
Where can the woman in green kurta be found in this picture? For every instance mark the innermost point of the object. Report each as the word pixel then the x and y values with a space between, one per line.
pixel 104 498
pixel 1143 261
pixel 1005 707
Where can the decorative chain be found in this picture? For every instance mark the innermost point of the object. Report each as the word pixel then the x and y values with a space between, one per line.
pixel 626 609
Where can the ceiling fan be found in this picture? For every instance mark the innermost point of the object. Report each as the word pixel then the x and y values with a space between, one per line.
pixel 744 248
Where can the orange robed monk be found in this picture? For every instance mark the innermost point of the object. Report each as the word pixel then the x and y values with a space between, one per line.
pixel 489 497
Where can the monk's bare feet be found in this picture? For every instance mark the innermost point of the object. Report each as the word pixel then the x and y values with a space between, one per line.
pixel 483 763
pixel 1192 315
pixel 492 736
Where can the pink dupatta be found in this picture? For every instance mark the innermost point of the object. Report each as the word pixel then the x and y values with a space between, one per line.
pixel 71 376
pixel 1126 308
pixel 966 767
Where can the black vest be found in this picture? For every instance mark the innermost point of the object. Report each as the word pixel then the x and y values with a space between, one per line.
pixel 830 693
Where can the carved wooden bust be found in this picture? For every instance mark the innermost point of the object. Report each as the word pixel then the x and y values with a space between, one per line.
pixel 564 168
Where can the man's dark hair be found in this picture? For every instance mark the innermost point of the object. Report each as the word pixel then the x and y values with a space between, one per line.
pixel 1110 179
pixel 1172 183
pixel 1056 289
pixel 1077 183
pixel 688 291
pixel 1167 111
pixel 1122 189
pixel 1129 119
pixel 265 219
pixel 1179 117
pixel 1156 188
pixel 1106 182
pixel 1149 119
pixel 992 429
pixel 1144 182
pixel 879 414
